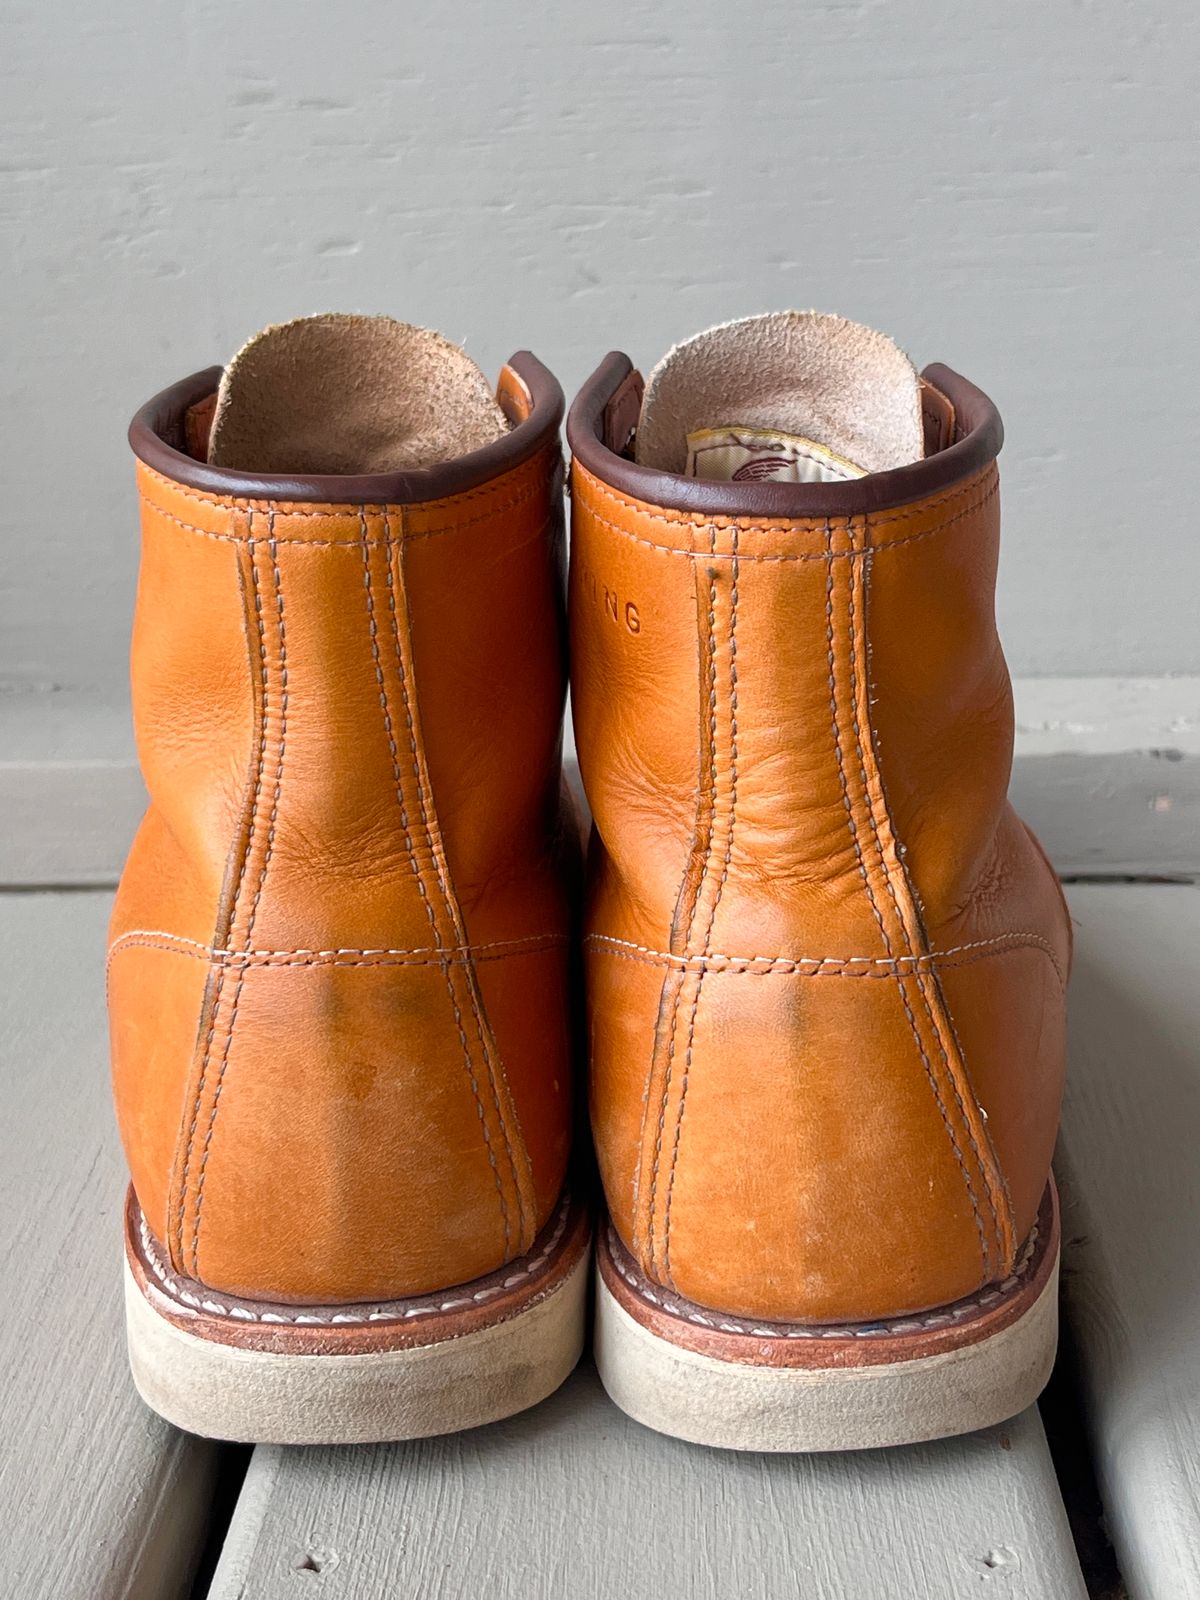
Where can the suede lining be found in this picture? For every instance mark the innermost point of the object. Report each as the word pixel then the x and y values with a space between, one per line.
pixel 799 372
pixel 350 394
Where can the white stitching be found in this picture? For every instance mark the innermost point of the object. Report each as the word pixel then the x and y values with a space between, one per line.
pixel 699 520
pixel 334 514
pixel 251 826
pixel 789 964
pixel 272 824
pixel 674 1304
pixel 860 673
pixel 138 937
pixel 800 555
pixel 676 998
pixel 721 882
pixel 346 508
pixel 428 822
pixel 173 1286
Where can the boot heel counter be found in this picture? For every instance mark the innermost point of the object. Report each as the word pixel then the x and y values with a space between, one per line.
pixel 810 1107
pixel 308 1080
pixel 326 1124
pixel 333 1150
pixel 809 1148
pixel 155 984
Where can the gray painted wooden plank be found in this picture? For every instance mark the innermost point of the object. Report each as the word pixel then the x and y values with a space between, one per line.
pixel 1107 774
pixel 1131 1185
pixel 1135 813
pixel 573 1501
pixel 67 824
pixel 1123 812
pixel 98 1498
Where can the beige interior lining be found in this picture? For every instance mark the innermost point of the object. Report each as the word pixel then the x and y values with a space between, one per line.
pixel 802 373
pixel 339 393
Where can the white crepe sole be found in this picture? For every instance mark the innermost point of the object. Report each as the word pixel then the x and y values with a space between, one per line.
pixel 736 1406
pixel 227 1392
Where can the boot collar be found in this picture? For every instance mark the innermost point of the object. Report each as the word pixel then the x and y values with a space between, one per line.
pixel 963 432
pixel 170 433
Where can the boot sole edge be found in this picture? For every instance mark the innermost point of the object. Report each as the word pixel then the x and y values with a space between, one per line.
pixel 832 1399
pixel 358 1389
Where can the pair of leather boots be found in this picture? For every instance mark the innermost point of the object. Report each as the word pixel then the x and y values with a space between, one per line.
pixel 823 960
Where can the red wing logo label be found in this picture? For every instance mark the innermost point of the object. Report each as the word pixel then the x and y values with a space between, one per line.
pixel 760 467
pixel 759 455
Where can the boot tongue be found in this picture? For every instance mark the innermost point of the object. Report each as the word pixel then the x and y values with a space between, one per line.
pixel 350 394
pixel 793 396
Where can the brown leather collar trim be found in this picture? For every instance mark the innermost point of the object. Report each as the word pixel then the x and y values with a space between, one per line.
pixel 157 436
pixel 978 429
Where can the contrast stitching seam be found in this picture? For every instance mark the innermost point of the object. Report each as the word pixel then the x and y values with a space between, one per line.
pixel 155 939
pixel 860 858
pixel 437 934
pixel 699 520
pixel 409 534
pixel 1000 1172
pixel 856 726
pixel 795 970
pixel 381 685
pixel 718 961
pixel 921 973
pixel 959 1312
pixel 643 1136
pixel 922 987
pixel 222 1308
pixel 379 959
pixel 716 901
pixel 272 822
pixel 800 555
pixel 425 802
pixel 839 754
pixel 550 451
pixel 704 866
pixel 251 828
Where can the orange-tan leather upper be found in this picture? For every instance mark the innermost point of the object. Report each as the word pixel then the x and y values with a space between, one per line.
pixel 825 960
pixel 338 965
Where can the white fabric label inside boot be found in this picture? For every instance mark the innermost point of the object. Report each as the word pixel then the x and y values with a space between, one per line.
pixel 751 455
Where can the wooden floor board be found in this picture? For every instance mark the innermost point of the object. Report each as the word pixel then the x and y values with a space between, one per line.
pixel 1130 1177
pixel 98 1498
pixel 572 1501
pixel 1122 753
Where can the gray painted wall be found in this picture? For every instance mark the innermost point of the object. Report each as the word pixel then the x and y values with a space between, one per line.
pixel 1010 188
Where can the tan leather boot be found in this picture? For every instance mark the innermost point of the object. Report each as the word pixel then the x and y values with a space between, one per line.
pixel 338 972
pixel 825 960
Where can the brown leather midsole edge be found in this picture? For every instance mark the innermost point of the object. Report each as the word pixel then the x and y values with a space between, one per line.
pixel 358 1329
pixel 780 1344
